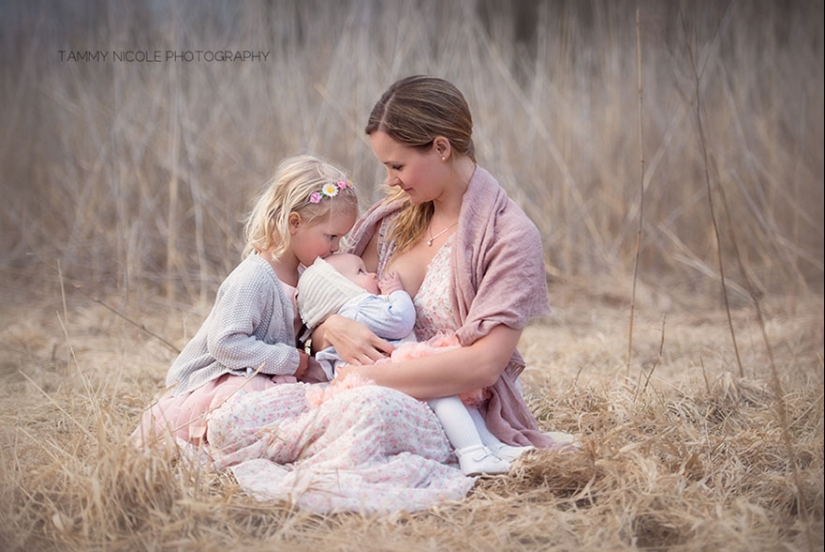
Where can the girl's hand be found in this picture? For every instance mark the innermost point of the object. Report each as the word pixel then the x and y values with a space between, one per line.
pixel 353 341
pixel 303 364
pixel 314 373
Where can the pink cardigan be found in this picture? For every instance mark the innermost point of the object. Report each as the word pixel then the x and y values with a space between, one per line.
pixel 498 278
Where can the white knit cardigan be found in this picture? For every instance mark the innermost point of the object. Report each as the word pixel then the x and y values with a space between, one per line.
pixel 251 325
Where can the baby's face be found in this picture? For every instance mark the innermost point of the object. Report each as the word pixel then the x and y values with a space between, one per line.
pixel 353 269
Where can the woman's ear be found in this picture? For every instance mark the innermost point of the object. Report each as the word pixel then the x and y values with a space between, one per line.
pixel 442 147
pixel 295 220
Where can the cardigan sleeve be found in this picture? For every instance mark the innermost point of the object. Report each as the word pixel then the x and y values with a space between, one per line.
pixel 248 328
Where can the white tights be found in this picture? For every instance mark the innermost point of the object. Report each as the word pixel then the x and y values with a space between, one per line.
pixel 464 426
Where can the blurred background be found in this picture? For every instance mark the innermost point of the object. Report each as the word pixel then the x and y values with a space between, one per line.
pixel 133 177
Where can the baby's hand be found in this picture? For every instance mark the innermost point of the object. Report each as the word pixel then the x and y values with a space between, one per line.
pixel 389 283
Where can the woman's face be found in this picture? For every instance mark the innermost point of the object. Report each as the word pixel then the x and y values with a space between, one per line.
pixel 421 174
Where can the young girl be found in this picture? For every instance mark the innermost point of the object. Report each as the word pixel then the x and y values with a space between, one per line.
pixel 248 341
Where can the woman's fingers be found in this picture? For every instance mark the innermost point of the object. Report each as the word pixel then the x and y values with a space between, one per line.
pixel 370 356
pixel 354 342
pixel 367 348
pixel 380 348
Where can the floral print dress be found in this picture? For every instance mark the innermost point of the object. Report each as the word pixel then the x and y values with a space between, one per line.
pixel 370 449
pixel 433 306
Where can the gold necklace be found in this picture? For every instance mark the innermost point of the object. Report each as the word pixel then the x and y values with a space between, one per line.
pixel 432 238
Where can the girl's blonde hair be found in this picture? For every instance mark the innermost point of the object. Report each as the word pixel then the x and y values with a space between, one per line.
pixel 299 185
pixel 413 112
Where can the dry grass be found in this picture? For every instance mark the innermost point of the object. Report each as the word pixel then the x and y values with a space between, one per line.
pixel 693 460
pixel 137 173
pixel 128 182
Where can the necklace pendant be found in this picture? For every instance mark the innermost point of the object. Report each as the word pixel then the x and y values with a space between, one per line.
pixel 432 238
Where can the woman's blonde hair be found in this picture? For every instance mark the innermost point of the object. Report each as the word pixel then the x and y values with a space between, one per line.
pixel 298 186
pixel 413 112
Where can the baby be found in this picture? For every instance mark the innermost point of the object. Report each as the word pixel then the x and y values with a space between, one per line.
pixel 341 284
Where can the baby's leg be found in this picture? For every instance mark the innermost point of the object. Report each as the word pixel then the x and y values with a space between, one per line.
pixel 481 427
pixel 507 452
pixel 473 457
pixel 456 421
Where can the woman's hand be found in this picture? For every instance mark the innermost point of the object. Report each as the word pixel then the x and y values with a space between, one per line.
pixel 353 341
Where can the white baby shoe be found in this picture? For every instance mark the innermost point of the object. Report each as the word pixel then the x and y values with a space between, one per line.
pixel 508 452
pixel 478 459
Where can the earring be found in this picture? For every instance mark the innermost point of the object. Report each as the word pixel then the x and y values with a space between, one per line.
pixel 443 159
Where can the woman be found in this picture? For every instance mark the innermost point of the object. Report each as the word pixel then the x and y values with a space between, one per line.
pixel 467 254
pixel 473 263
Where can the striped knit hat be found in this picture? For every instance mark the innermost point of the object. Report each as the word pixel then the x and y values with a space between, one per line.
pixel 322 291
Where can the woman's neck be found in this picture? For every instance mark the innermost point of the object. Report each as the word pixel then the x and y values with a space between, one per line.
pixel 448 207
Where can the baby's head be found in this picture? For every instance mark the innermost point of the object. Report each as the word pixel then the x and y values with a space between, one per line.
pixel 324 287
pixel 352 267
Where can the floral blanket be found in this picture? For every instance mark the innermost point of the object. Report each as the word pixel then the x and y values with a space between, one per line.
pixel 370 449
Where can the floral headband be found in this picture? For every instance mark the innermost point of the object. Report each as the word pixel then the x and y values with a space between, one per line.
pixel 330 190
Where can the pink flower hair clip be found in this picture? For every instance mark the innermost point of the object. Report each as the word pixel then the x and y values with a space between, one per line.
pixel 329 191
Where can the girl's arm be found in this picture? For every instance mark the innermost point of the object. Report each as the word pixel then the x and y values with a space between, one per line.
pixel 449 373
pixel 235 335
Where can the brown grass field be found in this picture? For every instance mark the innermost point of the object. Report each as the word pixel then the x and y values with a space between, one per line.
pixel 671 154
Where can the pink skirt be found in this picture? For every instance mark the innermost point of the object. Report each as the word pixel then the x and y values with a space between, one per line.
pixel 184 416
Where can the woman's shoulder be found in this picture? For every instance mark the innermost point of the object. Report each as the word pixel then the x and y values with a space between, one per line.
pixel 507 215
pixel 515 216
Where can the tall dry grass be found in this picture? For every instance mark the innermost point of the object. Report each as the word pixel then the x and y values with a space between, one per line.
pixel 125 185
pixel 141 172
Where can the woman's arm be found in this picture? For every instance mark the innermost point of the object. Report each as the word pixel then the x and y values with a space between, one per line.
pixel 449 373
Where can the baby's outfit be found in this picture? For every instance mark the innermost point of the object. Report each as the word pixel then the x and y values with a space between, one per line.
pixel 390 316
